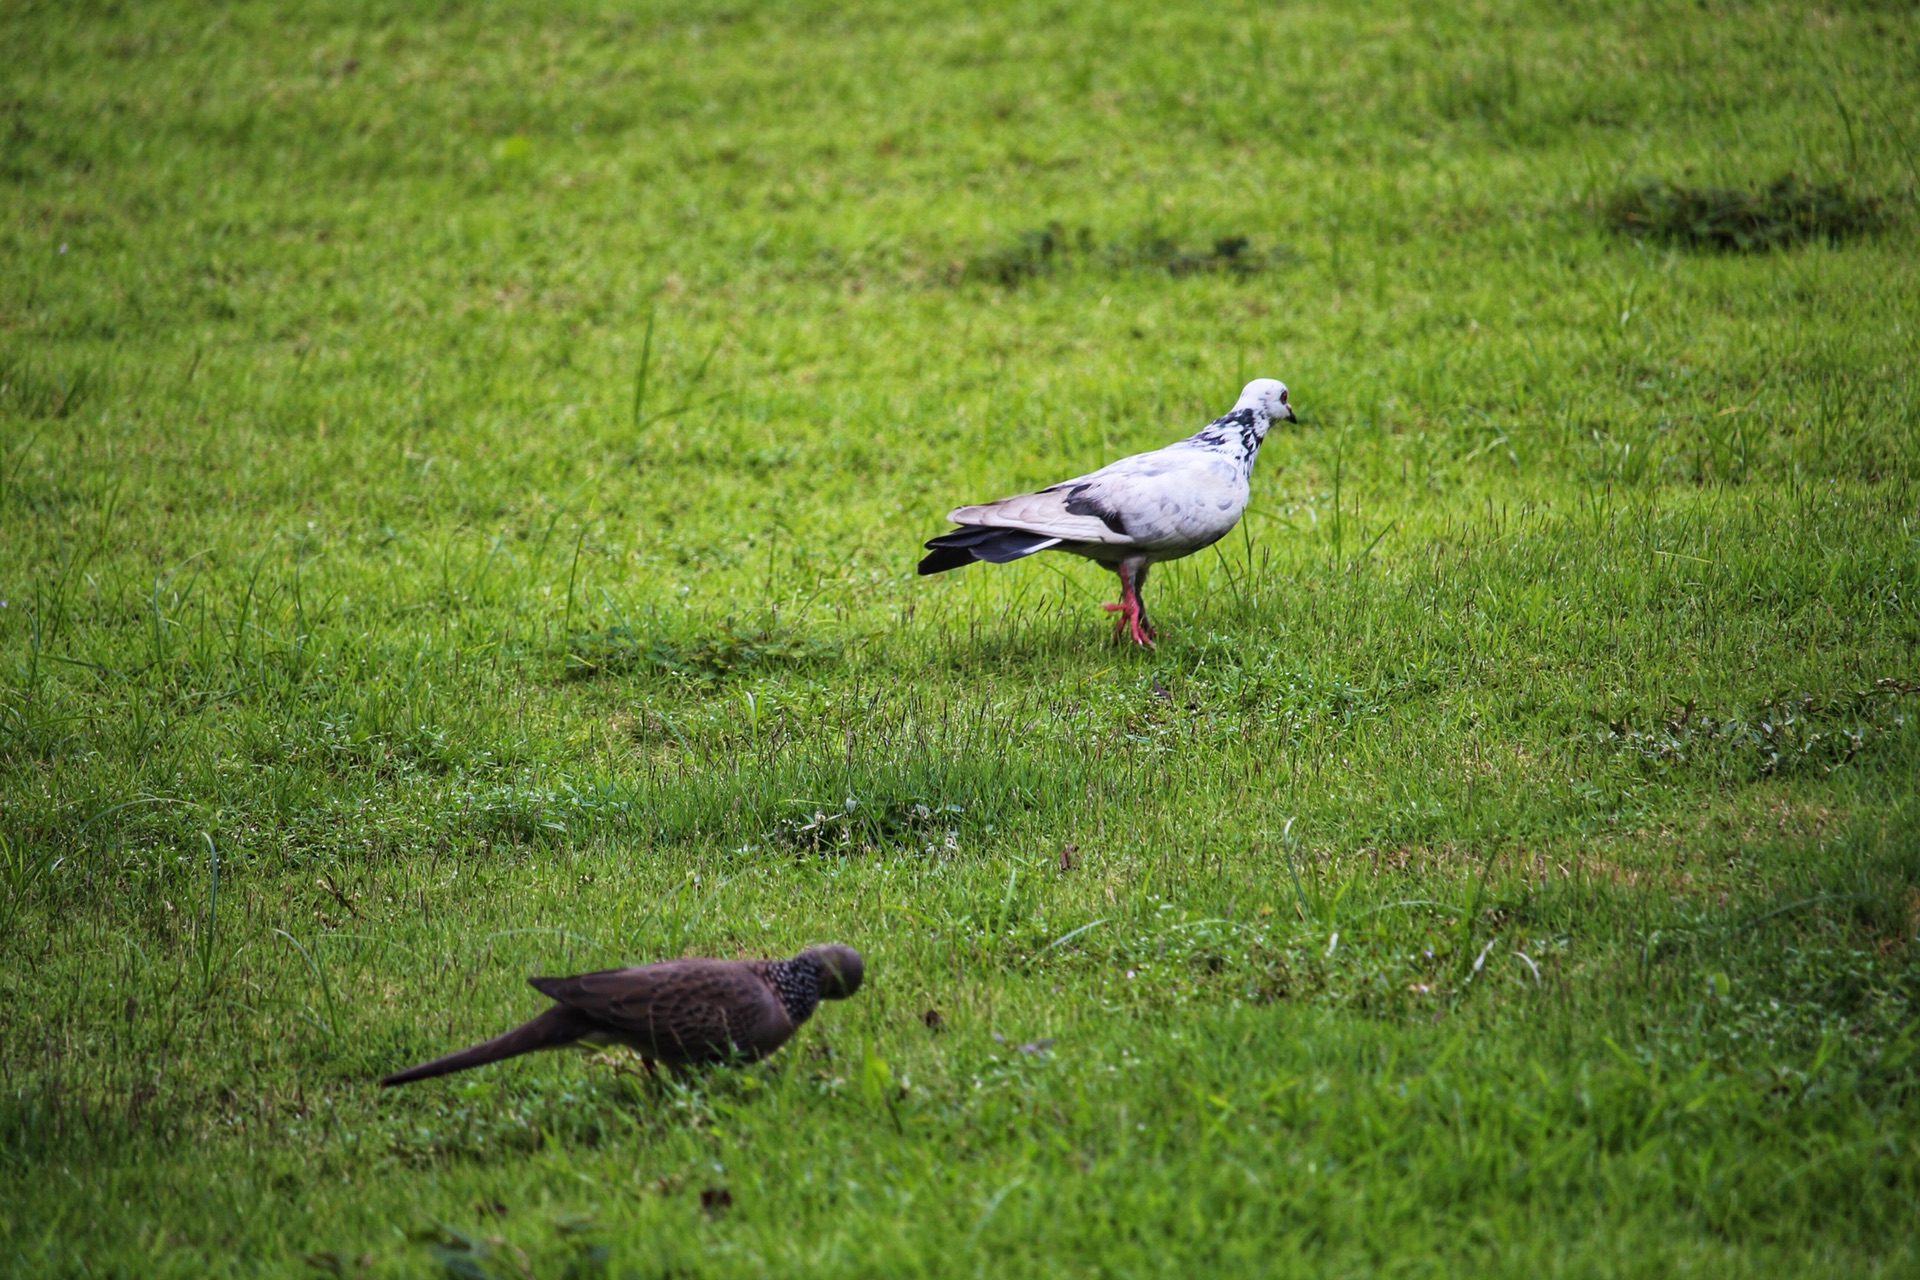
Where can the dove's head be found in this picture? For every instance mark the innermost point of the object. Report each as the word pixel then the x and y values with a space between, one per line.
pixel 840 968
pixel 1268 398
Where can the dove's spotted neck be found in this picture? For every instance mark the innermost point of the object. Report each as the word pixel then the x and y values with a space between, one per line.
pixel 1238 434
pixel 797 983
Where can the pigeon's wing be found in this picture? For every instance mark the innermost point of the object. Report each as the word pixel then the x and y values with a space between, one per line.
pixel 680 1010
pixel 1169 496
pixel 1061 511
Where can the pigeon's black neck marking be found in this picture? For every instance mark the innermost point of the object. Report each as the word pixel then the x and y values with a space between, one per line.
pixel 797 983
pixel 1239 432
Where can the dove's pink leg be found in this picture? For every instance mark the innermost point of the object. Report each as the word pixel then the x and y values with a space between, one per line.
pixel 1133 614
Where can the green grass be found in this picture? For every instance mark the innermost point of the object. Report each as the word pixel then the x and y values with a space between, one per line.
pixel 460 480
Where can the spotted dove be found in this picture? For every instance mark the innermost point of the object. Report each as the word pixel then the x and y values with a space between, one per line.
pixel 680 1012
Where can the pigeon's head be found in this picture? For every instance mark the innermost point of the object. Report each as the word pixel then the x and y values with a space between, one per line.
pixel 841 970
pixel 1268 398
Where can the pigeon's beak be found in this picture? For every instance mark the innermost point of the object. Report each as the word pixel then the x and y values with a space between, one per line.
pixel 1286 411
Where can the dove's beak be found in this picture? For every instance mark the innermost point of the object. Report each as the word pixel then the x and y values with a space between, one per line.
pixel 1286 411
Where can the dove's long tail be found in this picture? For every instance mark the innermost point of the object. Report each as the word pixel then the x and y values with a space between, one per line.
pixel 972 542
pixel 556 1027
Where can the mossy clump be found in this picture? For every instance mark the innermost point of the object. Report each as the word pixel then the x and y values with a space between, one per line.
pixel 1039 252
pixel 1057 248
pixel 707 659
pixel 1787 211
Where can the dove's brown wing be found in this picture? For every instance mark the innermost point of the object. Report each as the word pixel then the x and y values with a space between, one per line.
pixel 680 1010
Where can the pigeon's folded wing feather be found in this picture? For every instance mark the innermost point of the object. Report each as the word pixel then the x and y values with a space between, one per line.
pixel 689 1010
pixel 1046 513
pixel 1146 500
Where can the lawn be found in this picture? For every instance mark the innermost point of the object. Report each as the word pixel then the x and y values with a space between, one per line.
pixel 461 474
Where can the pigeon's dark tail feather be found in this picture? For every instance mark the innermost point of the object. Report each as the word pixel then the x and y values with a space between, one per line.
pixel 972 542
pixel 556 1027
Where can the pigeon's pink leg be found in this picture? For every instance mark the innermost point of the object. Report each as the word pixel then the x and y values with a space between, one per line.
pixel 1133 614
pixel 1137 620
pixel 1122 607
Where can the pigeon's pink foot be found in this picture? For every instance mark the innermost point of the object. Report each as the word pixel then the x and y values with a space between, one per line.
pixel 1132 621
pixel 1133 614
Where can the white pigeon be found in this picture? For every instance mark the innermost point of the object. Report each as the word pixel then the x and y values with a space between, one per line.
pixel 1131 514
